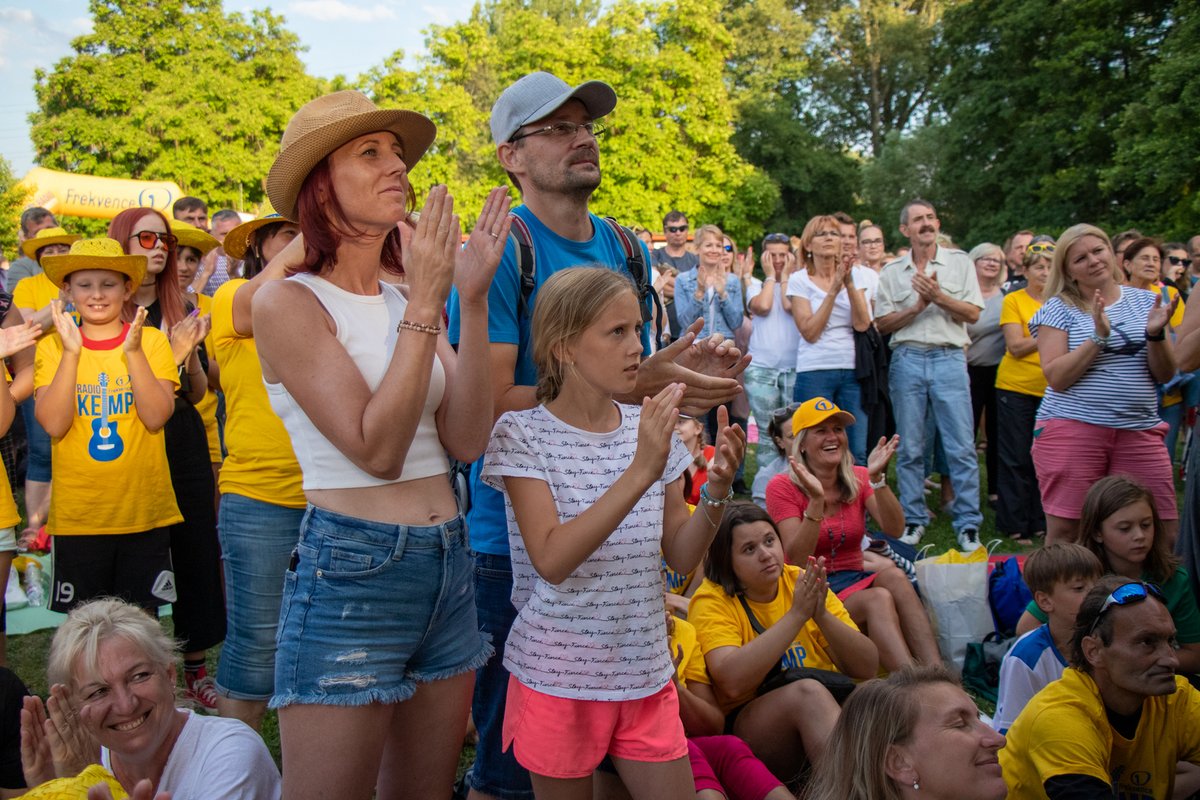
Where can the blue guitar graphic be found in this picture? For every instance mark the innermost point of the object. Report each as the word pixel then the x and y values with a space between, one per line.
pixel 105 444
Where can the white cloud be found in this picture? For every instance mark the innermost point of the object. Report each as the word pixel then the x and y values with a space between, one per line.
pixel 337 11
pixel 441 15
pixel 16 16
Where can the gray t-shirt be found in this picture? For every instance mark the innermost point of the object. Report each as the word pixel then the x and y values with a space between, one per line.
pixel 23 267
pixel 683 263
pixel 987 338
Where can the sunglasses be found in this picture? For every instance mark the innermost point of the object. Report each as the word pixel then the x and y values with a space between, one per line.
pixel 777 238
pixel 782 415
pixel 675 228
pixel 1039 247
pixel 728 248
pixel 1176 261
pixel 148 239
pixel 1126 595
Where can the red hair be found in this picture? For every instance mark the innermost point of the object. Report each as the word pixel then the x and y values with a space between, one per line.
pixel 323 224
pixel 166 283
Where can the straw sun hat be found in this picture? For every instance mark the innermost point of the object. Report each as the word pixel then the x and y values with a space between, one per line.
pixel 191 236
pixel 94 254
pixel 237 241
pixel 325 124
pixel 46 237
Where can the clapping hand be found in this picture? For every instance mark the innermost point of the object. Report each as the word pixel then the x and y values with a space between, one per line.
pixel 729 448
pixel 54 742
pixel 1160 315
pixel 878 459
pixel 808 483
pixel 68 331
pixel 1099 318
pixel 478 260
pixel 434 250
pixel 808 600
pixel 18 337
pixel 133 337
pixel 655 428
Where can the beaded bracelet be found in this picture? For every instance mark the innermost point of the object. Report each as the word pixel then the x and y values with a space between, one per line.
pixel 419 327
pixel 707 499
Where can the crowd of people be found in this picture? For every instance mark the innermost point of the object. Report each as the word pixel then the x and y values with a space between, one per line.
pixel 414 483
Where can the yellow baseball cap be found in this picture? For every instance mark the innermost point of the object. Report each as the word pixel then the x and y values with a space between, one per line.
pixel 815 411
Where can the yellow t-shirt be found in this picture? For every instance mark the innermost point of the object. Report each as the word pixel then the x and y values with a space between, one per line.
pixel 1064 731
pixel 261 464
pixel 1022 374
pixel 691 668
pixel 76 788
pixel 35 292
pixel 720 621
pixel 207 407
pixel 9 516
pixel 108 478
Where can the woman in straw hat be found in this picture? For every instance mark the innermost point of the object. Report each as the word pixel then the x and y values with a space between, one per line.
pixel 105 390
pixel 199 613
pixel 262 500
pixel 378 636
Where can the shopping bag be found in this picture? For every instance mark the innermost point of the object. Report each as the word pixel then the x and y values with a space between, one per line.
pixel 954 588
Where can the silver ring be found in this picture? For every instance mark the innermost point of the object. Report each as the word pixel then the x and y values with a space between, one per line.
pixel 494 236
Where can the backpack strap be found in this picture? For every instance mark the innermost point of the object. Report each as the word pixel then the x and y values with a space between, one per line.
pixel 652 310
pixel 526 262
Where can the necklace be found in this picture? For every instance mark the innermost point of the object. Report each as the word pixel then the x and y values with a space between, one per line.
pixel 833 547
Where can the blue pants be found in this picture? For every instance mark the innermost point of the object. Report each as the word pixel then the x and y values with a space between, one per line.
pixel 840 386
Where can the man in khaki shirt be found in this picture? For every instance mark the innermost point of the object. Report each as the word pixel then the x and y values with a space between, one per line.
pixel 925 300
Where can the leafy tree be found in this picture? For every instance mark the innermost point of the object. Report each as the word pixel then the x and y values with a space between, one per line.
pixel 1033 97
pixel 669 137
pixel 177 90
pixel 874 63
pixel 907 167
pixel 13 198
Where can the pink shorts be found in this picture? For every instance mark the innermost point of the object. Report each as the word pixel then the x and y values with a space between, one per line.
pixel 562 738
pixel 1070 456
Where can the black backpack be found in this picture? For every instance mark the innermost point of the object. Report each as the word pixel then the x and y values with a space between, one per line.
pixel 651 305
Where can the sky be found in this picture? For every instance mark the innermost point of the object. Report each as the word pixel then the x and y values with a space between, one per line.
pixel 345 37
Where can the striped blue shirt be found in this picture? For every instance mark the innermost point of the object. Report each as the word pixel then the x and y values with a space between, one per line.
pixel 1117 391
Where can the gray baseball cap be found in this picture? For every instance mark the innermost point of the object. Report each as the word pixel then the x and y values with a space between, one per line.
pixel 540 94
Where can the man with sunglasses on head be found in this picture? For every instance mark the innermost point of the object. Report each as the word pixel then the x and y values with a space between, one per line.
pixel 1014 259
pixel 1119 721
pixel 671 260
pixel 546 139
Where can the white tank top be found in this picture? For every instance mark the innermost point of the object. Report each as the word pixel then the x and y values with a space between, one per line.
pixel 366 327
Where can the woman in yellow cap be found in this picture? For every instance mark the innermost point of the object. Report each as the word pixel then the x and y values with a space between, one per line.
pixel 262 501
pixel 105 388
pixel 378 636
pixel 821 505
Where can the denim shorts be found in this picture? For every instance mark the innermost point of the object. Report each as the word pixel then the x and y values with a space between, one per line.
pixel 372 609
pixel 257 541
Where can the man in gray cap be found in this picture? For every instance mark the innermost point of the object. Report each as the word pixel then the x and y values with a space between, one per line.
pixel 546 139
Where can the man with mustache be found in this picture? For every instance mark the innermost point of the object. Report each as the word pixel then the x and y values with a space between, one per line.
pixel 1120 720
pixel 546 139
pixel 926 300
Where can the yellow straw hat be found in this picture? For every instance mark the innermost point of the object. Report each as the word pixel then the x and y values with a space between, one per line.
pixel 95 254
pixel 237 241
pixel 46 237
pixel 815 411
pixel 325 124
pixel 191 236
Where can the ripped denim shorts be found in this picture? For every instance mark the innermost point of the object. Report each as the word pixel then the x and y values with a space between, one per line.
pixel 372 609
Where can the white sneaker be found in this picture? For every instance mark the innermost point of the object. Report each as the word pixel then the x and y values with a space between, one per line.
pixel 913 534
pixel 968 540
pixel 14 595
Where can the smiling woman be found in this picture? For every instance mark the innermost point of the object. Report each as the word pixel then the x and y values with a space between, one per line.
pixel 112 670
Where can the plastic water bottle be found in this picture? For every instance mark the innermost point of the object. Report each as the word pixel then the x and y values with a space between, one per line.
pixel 34 589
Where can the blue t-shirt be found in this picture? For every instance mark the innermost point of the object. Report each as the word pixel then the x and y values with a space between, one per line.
pixel 486 521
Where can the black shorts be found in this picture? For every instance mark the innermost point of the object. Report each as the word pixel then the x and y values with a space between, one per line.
pixel 135 567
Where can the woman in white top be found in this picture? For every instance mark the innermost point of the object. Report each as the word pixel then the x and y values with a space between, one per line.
pixel 829 303
pixel 378 634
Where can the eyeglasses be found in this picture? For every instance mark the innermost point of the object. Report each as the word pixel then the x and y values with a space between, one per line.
pixel 148 239
pixel 988 260
pixel 1176 261
pixel 1126 595
pixel 675 228
pixel 1039 247
pixel 827 235
pixel 776 238
pixel 870 242
pixel 562 130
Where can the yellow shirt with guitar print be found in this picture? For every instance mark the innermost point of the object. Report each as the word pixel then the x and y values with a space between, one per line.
pixel 110 472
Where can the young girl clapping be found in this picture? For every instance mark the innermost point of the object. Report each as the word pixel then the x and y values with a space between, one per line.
pixel 594 495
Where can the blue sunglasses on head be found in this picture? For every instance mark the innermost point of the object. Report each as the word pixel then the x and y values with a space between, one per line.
pixel 1126 595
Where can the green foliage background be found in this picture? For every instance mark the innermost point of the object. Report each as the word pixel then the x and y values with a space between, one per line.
pixel 753 114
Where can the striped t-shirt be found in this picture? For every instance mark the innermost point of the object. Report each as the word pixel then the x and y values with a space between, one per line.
pixel 600 634
pixel 1117 391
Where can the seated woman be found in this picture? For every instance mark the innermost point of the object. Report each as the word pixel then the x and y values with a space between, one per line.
pixel 112 671
pixel 821 509
pixel 756 616
pixel 916 734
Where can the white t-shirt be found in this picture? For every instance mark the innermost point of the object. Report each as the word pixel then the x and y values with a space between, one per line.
pixel 835 347
pixel 216 757
pixel 773 338
pixel 599 634
pixel 1032 662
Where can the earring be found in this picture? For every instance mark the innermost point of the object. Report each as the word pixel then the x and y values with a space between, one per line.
pixel 916 786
